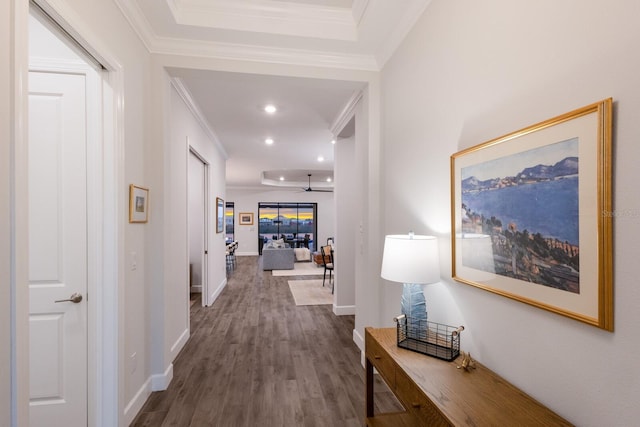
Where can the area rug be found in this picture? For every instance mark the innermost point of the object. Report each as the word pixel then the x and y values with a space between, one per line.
pixel 311 292
pixel 301 269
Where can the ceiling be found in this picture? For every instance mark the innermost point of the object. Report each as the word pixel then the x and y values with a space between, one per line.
pixel 352 34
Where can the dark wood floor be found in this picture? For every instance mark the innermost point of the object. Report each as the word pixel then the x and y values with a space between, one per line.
pixel 256 359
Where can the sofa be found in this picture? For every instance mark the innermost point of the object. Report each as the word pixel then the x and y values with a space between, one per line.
pixel 278 258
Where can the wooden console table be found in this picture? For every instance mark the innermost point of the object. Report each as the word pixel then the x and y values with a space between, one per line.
pixel 435 393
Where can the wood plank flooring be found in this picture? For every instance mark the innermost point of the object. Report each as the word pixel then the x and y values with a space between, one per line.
pixel 256 359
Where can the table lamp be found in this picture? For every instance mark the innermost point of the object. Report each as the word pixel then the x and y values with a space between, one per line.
pixel 413 261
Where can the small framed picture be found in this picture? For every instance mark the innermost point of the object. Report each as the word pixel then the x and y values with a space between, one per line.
pixel 219 215
pixel 246 218
pixel 138 204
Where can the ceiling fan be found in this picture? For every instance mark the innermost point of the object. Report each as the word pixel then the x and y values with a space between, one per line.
pixel 323 190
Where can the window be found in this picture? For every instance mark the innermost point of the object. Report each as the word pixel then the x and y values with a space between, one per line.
pixel 292 221
pixel 229 215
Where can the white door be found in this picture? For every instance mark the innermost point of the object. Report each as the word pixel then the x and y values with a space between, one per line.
pixel 57 249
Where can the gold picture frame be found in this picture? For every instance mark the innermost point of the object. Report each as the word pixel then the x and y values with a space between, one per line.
pixel 245 218
pixel 138 204
pixel 532 217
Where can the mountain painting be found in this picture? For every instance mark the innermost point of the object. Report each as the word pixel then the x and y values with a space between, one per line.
pixel 528 204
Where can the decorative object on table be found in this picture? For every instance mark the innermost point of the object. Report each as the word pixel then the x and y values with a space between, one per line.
pixel 467 362
pixel 541 197
pixel 219 215
pixel 138 204
pixel 245 218
pixel 413 261
pixel 430 338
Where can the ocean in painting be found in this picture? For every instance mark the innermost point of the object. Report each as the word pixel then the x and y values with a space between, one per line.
pixel 547 207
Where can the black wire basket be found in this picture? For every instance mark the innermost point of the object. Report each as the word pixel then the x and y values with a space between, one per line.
pixel 430 338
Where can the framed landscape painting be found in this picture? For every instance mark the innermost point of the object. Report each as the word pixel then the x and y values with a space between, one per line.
pixel 219 215
pixel 246 218
pixel 531 215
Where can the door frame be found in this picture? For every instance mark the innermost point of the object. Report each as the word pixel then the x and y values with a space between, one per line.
pixel 205 226
pixel 106 226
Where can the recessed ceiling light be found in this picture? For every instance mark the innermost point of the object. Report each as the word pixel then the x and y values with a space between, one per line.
pixel 329 179
pixel 268 141
pixel 282 178
pixel 333 141
pixel 270 108
pixel 320 159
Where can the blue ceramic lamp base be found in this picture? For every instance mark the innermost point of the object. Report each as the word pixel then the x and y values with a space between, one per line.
pixel 414 307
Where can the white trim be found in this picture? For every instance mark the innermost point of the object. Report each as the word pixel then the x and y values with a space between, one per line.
pixel 344 310
pixel 67 66
pixel 18 204
pixel 216 293
pixel 137 402
pixel 347 113
pixel 358 339
pixel 185 94
pixel 240 52
pixel 137 21
pixel 406 23
pixel 204 288
pixel 358 9
pixel 179 344
pixel 281 18
pixel 160 382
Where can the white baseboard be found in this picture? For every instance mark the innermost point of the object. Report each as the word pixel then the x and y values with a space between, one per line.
pixel 138 401
pixel 161 382
pixel 153 383
pixel 195 289
pixel 216 293
pixel 358 339
pixel 344 310
pixel 179 344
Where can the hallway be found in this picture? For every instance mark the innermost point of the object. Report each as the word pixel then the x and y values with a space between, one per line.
pixel 256 359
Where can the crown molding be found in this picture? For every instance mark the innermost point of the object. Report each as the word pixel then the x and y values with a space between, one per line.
pixel 240 52
pixel 358 10
pixel 138 22
pixel 232 51
pixel 195 110
pixel 346 114
pixel 390 45
pixel 269 17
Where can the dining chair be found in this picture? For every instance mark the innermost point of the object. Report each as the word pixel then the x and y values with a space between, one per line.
pixel 327 261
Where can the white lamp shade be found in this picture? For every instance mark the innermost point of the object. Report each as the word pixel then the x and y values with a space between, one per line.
pixel 411 259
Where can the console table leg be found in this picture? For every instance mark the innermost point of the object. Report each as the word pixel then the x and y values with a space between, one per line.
pixel 369 386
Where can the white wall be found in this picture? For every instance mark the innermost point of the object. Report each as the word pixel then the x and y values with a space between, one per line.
pixel 246 200
pixel 472 71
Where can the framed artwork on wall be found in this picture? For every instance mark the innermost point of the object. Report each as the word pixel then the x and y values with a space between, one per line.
pixel 531 215
pixel 246 218
pixel 138 204
pixel 219 215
